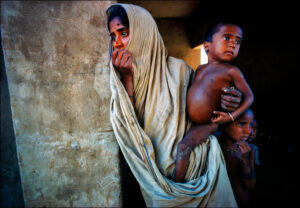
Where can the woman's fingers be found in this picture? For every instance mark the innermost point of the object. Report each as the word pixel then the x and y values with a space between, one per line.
pixel 122 59
pixel 118 60
pixel 128 62
pixel 225 106
pixel 232 91
pixel 114 56
pixel 230 101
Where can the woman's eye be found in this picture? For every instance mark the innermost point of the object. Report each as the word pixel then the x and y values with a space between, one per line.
pixel 238 42
pixel 226 38
pixel 124 33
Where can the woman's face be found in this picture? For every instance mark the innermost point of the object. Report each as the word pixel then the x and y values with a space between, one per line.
pixel 240 129
pixel 119 34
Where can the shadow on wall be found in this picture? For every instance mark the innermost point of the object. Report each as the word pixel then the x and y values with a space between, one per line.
pixel 11 189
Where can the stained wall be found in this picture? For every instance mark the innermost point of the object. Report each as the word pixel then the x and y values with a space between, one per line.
pixel 55 56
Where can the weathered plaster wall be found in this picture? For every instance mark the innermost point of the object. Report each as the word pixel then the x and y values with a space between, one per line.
pixel 55 55
pixel 11 194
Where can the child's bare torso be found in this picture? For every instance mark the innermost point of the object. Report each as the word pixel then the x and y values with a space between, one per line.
pixel 235 172
pixel 204 95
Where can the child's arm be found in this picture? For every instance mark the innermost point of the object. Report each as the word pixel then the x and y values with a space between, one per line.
pixel 248 98
pixel 196 135
pixel 247 158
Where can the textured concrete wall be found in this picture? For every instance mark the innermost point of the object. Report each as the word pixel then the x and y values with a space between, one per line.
pixel 55 55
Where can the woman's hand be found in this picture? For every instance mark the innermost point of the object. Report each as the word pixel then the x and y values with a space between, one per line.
pixel 122 61
pixel 231 99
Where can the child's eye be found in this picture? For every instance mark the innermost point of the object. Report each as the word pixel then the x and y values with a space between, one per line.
pixel 238 42
pixel 124 33
pixel 113 38
pixel 241 124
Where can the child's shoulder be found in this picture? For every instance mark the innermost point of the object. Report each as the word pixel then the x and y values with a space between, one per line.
pixel 224 66
pixel 230 66
pixel 203 67
pixel 231 69
pixel 200 67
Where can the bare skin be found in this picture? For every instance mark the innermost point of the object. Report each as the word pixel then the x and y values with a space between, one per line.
pixel 206 91
pixel 239 158
pixel 122 61
pixel 122 58
pixel 253 132
pixel 203 98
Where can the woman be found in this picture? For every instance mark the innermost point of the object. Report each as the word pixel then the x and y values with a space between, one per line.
pixel 148 115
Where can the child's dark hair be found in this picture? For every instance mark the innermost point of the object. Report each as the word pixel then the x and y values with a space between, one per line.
pixel 214 29
pixel 117 11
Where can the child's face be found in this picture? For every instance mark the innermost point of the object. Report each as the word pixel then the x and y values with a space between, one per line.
pixel 240 129
pixel 225 43
pixel 253 133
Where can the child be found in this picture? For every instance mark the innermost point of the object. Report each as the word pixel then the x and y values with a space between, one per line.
pixel 250 140
pixel 222 45
pixel 239 157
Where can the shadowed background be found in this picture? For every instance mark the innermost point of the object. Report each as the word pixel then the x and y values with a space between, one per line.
pixel 57 144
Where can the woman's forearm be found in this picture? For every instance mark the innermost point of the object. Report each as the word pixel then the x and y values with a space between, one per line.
pixel 128 84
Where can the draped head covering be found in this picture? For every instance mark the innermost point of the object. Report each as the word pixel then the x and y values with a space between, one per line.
pixel 149 131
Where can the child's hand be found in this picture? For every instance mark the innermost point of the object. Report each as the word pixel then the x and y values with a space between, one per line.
pixel 245 149
pixel 220 117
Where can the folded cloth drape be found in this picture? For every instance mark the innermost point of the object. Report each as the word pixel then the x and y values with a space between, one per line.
pixel 149 131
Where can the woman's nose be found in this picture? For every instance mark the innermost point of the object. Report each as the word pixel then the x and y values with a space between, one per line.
pixel 118 43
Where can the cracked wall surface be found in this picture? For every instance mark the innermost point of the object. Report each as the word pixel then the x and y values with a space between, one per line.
pixel 56 59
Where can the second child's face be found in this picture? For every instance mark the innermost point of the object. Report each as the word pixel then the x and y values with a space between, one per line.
pixel 226 43
pixel 240 129
pixel 253 133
